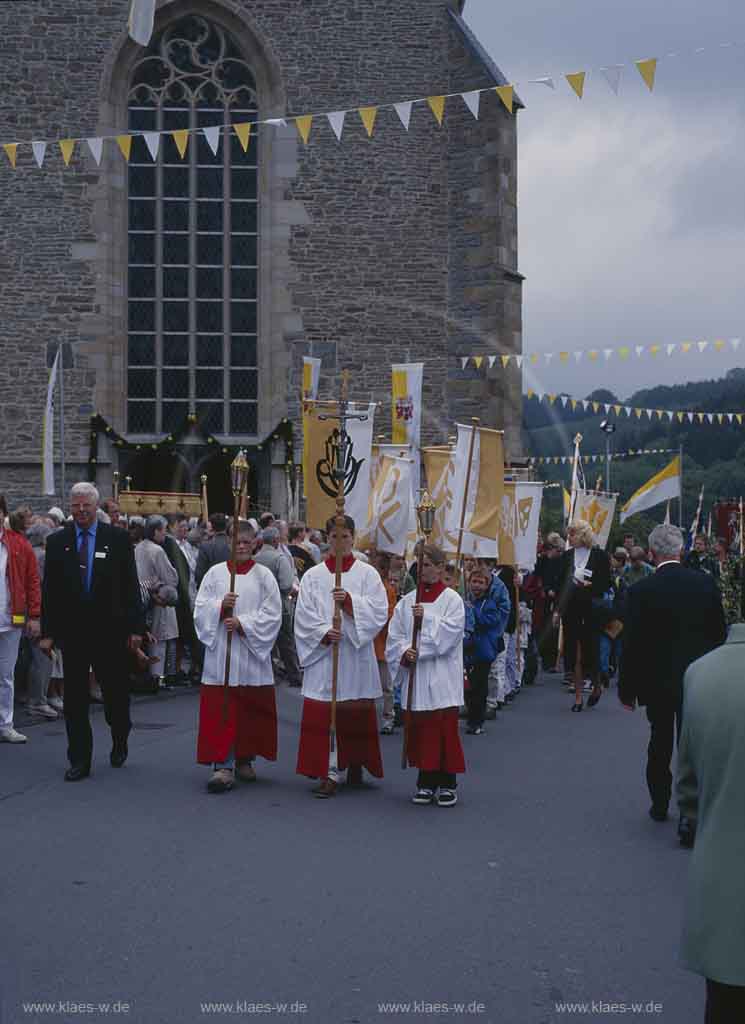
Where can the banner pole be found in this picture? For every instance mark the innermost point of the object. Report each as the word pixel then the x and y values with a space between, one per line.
pixel 459 554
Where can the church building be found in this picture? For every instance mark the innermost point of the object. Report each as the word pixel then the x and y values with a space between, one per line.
pixel 185 278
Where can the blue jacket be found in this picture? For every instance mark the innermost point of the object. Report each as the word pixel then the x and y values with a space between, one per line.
pixel 486 619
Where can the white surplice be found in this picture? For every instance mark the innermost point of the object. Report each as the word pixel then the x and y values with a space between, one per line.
pixel 438 680
pixel 359 677
pixel 259 610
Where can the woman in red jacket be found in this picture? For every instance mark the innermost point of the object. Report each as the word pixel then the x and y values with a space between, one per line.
pixel 20 608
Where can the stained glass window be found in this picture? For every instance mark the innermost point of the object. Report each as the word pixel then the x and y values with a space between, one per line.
pixel 193 253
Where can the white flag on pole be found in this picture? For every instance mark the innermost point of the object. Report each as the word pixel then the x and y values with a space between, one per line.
pixel 598 509
pixel 48 430
pixel 141 20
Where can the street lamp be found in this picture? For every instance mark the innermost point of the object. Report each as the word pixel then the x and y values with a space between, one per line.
pixel 609 430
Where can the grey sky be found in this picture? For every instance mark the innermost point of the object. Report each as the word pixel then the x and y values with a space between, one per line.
pixel 632 208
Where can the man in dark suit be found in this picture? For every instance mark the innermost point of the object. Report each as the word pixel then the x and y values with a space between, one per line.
pixel 215 549
pixel 671 618
pixel 92 612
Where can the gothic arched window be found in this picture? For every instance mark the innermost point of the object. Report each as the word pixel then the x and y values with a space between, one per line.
pixel 192 265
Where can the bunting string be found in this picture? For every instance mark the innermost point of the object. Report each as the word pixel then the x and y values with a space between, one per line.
pixel 601 355
pixel 633 412
pixel 556 460
pixel 506 95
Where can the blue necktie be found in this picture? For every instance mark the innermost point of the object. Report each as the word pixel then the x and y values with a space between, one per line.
pixel 83 559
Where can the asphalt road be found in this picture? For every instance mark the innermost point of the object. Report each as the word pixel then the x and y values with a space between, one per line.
pixel 547 884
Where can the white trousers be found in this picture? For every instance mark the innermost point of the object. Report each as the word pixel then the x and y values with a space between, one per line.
pixel 9 642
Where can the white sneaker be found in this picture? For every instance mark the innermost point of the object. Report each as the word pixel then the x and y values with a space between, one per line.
pixel 56 703
pixel 41 711
pixel 11 736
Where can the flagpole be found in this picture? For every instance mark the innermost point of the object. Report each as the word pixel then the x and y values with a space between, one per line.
pixel 575 478
pixel 680 503
pixel 458 556
pixel 62 468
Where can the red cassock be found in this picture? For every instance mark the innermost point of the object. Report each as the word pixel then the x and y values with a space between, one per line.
pixel 434 741
pixel 251 726
pixel 357 741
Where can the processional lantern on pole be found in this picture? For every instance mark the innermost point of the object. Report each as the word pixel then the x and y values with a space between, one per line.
pixel 238 483
pixel 341 444
pixel 425 514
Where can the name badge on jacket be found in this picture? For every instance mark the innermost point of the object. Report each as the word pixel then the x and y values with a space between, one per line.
pixel 100 554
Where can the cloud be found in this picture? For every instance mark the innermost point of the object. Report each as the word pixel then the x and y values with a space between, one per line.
pixel 632 216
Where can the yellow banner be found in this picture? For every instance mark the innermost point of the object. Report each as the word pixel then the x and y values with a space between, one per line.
pixel 486 514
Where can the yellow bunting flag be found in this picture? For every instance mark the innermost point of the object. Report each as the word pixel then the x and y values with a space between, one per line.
pixel 681 417
pixel 437 106
pixel 654 349
pixel 551 399
pixel 66 147
pixel 506 94
pixel 687 346
pixel 531 393
pixel 564 357
pixel 595 406
pixel 617 410
pixel 534 359
pixel 701 417
pixel 304 125
pixel 575 403
pixel 368 116
pixel 124 142
pixel 638 413
pixel 11 151
pixel 720 417
pixel 181 138
pixel 738 417
pixel 577 82
pixel 478 360
pixel 243 131
pixel 624 352
pixel 719 345
pixel 593 354
pixel 648 70
pixel 505 361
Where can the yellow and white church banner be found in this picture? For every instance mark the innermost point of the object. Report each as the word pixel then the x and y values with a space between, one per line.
pixel 663 486
pixel 389 507
pixel 598 509
pixel 318 461
pixel 479 479
pixel 406 410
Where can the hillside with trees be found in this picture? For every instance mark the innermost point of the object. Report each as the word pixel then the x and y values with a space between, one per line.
pixel 713 454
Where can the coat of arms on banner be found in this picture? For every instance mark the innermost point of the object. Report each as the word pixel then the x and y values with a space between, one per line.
pixel 405 408
pixel 596 516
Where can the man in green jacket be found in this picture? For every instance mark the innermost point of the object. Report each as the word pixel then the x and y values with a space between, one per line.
pixel 711 769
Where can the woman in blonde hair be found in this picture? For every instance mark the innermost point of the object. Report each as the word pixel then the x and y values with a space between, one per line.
pixel 585 576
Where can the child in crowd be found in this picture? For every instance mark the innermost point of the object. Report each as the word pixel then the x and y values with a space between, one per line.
pixel 487 612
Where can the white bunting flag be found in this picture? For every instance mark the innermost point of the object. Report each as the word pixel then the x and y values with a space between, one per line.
pixel 612 76
pixel 141 20
pixel 547 81
pixel 627 409
pixel 519 361
pixel 492 360
pixel 464 362
pixel 39 149
pixel 336 120
pixel 607 408
pixel 549 356
pixel 276 122
pixel 564 399
pixel 152 141
pixel 690 417
pixel 212 135
pixel 472 100
pixel 578 355
pixel 702 345
pixel 730 416
pixel 735 343
pixel 671 349
pixel 710 417
pixel 638 349
pixel 404 113
pixel 96 148
pixel 607 352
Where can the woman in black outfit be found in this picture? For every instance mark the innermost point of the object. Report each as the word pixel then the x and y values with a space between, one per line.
pixel 585 579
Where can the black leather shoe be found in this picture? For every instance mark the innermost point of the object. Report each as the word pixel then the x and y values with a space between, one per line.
pixel 119 754
pixel 76 774
pixel 686 834
pixel 658 813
